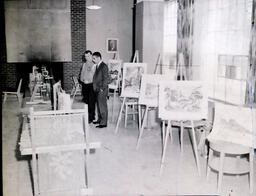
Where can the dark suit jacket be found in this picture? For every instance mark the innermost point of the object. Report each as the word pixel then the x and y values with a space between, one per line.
pixel 100 78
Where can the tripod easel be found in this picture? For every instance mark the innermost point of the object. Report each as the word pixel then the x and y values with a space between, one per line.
pixel 135 60
pixel 168 130
pixel 115 57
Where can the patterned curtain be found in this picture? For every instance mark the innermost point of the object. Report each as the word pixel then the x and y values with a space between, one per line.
pixel 185 34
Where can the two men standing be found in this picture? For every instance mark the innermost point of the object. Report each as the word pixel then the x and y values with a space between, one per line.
pixel 94 78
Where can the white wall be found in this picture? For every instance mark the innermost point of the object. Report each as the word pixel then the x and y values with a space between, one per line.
pixel 113 20
pixel 151 32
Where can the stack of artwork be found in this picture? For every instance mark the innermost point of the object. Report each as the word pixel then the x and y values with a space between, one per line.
pixel 182 100
pixel 132 73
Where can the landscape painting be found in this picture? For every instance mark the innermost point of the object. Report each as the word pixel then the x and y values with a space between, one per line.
pixel 150 89
pixel 132 73
pixel 182 100
pixel 114 69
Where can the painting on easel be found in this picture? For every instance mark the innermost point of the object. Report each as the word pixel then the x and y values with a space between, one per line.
pixel 132 73
pixel 150 88
pixel 182 100
pixel 114 67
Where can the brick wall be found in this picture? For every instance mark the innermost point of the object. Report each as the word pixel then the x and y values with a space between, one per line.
pixel 78 34
pixel 8 70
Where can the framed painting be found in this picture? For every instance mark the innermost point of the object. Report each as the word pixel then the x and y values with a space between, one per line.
pixel 182 100
pixel 114 69
pixel 112 45
pixel 132 73
pixel 149 89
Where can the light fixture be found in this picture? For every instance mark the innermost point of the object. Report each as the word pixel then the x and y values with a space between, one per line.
pixel 93 6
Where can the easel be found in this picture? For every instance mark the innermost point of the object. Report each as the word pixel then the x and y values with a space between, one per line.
pixel 115 57
pixel 166 131
pixel 29 146
pixel 159 63
pixel 135 59
pixel 145 116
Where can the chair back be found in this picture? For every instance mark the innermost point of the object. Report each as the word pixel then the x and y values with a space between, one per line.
pixel 75 80
pixel 19 87
pixel 234 124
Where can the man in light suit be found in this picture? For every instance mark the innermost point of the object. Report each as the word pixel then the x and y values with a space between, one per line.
pixel 100 87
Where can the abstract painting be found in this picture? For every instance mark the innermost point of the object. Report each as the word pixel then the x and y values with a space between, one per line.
pixel 132 73
pixel 114 68
pixel 182 100
pixel 150 88
pixel 234 124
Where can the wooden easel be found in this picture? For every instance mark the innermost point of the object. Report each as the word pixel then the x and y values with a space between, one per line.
pixel 28 145
pixel 159 64
pixel 166 131
pixel 115 57
pixel 135 59
pixel 145 116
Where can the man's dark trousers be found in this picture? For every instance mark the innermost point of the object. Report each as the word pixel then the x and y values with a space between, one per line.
pixel 89 99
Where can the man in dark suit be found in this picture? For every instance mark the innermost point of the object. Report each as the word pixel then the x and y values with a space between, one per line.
pixel 100 87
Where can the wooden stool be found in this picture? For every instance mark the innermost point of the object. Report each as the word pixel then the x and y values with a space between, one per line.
pixel 229 160
pixel 130 110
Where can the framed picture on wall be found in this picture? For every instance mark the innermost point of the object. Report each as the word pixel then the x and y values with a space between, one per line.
pixel 112 45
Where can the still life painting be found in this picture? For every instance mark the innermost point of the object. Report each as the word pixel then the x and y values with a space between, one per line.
pixel 182 100
pixel 132 73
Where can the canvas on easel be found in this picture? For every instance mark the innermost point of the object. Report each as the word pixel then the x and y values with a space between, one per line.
pixel 131 80
pixel 182 100
pixel 59 144
pixel 132 73
pixel 114 67
pixel 150 88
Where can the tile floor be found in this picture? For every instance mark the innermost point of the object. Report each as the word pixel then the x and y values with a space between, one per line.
pixel 117 168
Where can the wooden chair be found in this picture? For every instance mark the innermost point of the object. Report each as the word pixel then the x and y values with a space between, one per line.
pixel 17 93
pixel 76 89
pixel 231 142
pixel 225 158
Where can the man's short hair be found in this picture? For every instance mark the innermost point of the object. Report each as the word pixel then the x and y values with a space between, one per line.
pixel 97 54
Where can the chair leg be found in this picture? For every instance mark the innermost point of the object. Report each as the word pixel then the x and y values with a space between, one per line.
pixel 195 149
pixel 208 164
pixel 251 170
pixel 125 116
pixel 133 113
pixel 5 97
pixel 163 131
pixel 220 171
